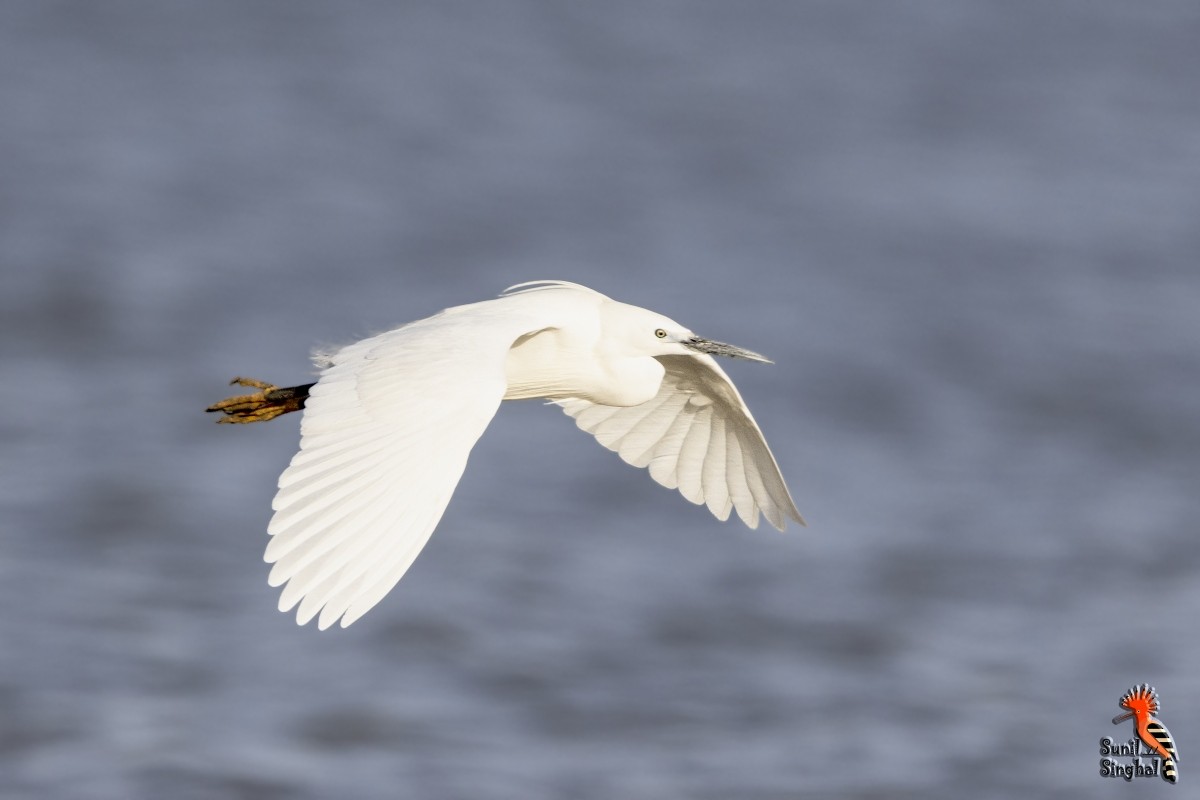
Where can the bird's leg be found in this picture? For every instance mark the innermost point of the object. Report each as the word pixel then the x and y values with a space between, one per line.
pixel 263 405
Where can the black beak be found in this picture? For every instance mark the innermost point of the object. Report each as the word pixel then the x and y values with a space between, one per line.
pixel 709 347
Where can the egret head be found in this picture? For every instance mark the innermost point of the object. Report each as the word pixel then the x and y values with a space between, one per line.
pixel 655 335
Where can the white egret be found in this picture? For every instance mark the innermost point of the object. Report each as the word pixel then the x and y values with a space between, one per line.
pixel 389 424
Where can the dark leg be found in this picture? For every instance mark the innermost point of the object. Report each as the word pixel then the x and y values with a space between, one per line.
pixel 263 405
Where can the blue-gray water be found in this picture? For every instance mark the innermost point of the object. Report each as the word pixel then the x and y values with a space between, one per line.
pixel 968 234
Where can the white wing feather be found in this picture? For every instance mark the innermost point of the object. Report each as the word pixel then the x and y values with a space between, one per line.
pixel 384 440
pixel 696 435
pixel 389 425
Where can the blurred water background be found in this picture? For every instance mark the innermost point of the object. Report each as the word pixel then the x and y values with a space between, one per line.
pixel 967 232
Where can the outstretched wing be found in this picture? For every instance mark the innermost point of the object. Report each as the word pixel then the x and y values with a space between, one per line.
pixel 696 435
pixel 384 440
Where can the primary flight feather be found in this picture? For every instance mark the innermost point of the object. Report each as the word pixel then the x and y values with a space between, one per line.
pixel 391 420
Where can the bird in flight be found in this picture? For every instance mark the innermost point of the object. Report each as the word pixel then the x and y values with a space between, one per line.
pixel 389 423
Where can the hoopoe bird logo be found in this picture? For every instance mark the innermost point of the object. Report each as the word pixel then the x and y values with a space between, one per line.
pixel 1142 704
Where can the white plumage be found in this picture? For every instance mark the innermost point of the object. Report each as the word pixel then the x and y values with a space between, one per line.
pixel 390 422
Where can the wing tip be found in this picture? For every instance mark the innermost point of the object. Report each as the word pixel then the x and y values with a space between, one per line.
pixel 782 525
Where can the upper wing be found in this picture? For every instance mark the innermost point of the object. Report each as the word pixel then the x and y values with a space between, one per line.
pixel 384 440
pixel 1163 737
pixel 696 435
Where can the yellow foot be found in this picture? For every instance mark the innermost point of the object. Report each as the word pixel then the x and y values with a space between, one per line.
pixel 263 405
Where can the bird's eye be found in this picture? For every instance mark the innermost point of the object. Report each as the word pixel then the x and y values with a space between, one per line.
pixel 660 333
